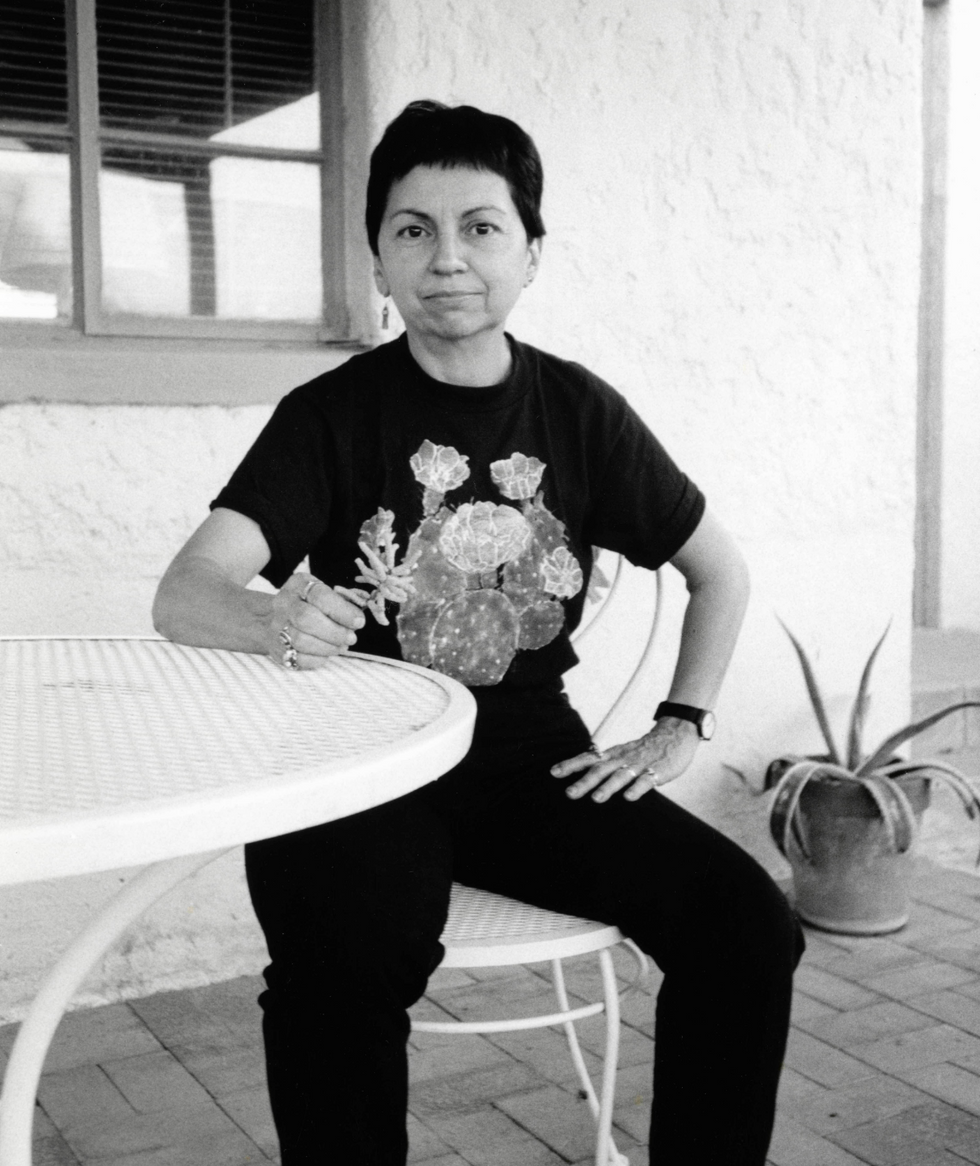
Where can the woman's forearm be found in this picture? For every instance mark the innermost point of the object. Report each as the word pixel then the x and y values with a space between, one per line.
pixel 198 604
pixel 718 586
pixel 204 600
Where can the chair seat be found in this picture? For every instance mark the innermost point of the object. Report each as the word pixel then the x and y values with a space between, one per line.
pixel 488 930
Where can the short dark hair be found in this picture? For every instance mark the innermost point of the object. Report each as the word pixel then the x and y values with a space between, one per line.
pixel 428 133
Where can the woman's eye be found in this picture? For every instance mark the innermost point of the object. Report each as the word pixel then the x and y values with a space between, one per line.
pixel 413 231
pixel 482 228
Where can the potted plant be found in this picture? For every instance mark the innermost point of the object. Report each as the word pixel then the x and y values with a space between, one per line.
pixel 847 822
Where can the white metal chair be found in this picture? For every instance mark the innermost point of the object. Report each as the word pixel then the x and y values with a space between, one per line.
pixel 487 930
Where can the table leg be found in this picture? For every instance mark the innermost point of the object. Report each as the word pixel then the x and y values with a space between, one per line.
pixel 31 1046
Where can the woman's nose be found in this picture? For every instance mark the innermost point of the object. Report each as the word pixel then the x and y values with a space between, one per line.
pixel 448 255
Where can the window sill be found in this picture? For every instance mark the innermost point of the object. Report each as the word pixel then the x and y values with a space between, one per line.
pixel 48 362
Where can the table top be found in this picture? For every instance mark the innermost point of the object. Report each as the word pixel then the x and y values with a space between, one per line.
pixel 121 752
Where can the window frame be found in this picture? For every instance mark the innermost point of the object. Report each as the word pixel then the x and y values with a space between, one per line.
pixel 82 136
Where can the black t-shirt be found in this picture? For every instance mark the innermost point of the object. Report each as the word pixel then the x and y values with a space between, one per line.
pixel 495 495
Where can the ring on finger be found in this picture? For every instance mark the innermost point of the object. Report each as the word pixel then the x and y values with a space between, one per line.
pixel 307 589
pixel 651 774
pixel 290 657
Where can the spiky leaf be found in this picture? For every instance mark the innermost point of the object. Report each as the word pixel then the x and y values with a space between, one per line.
pixel 887 748
pixel 948 775
pixel 859 712
pixel 895 809
pixel 775 769
pixel 786 800
pixel 816 700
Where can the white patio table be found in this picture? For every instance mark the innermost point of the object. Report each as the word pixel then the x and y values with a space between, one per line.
pixel 139 752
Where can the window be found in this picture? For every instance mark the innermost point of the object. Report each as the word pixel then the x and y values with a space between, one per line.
pixel 165 166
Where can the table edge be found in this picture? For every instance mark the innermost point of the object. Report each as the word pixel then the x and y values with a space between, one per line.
pixel 138 833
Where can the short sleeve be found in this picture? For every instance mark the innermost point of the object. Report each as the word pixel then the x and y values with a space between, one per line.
pixel 644 506
pixel 285 483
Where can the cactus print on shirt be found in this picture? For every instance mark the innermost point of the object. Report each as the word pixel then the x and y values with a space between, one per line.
pixel 451 507
pixel 479 582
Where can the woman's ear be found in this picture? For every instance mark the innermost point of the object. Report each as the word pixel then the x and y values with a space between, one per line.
pixel 380 280
pixel 533 260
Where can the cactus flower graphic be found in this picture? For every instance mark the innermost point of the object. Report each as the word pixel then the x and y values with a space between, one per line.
pixel 379 532
pixel 517 477
pixel 439 468
pixel 562 574
pixel 483 535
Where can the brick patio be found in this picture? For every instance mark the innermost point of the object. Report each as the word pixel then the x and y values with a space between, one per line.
pixel 883 1064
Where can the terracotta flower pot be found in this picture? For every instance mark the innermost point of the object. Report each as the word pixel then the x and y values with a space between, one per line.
pixel 853 883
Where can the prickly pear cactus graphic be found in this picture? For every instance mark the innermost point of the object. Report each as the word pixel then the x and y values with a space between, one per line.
pixel 479 582
pixel 475 637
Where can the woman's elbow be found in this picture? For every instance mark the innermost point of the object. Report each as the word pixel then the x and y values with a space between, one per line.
pixel 162 612
pixel 174 600
pixel 729 584
pixel 717 568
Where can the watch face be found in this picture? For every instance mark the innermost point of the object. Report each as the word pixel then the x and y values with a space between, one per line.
pixel 707 726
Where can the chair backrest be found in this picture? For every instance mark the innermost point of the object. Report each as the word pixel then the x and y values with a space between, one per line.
pixel 598 612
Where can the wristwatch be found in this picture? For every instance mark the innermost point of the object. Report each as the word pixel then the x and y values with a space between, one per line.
pixel 703 719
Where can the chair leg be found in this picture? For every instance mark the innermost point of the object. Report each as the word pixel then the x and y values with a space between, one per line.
pixel 572 1038
pixel 606 1152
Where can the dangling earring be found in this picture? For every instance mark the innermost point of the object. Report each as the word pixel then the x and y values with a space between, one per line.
pixel 384 317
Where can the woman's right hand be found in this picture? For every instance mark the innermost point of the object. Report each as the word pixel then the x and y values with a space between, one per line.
pixel 310 622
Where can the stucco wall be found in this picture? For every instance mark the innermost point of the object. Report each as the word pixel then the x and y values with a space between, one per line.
pixel 732 198
pixel 960 602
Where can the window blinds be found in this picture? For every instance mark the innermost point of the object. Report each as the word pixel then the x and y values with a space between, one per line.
pixel 33 63
pixel 197 67
pixel 35 240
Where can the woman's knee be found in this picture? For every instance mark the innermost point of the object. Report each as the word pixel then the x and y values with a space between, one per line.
pixel 736 918
pixel 764 930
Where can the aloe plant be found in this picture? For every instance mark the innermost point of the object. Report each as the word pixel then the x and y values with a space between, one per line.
pixel 875 771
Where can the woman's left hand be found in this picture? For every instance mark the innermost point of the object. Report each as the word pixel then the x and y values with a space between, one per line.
pixel 637 766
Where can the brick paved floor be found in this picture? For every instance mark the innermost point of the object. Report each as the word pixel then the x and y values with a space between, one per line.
pixel 883 1066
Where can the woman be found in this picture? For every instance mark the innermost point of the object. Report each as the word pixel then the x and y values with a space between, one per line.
pixel 449 486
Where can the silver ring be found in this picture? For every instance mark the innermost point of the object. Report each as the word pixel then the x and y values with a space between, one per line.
pixel 307 589
pixel 290 657
pixel 630 770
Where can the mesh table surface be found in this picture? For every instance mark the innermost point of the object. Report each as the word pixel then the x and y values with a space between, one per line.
pixel 89 726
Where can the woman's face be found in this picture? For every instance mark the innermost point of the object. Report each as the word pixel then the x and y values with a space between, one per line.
pixel 453 252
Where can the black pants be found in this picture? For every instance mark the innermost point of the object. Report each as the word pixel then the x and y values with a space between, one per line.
pixel 352 913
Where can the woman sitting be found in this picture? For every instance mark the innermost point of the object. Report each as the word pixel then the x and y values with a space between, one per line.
pixel 448 488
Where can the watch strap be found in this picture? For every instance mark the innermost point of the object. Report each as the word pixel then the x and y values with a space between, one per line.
pixel 683 712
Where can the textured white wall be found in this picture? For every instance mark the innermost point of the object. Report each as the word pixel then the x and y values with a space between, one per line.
pixel 732 201
pixel 960 604
pixel 96 501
